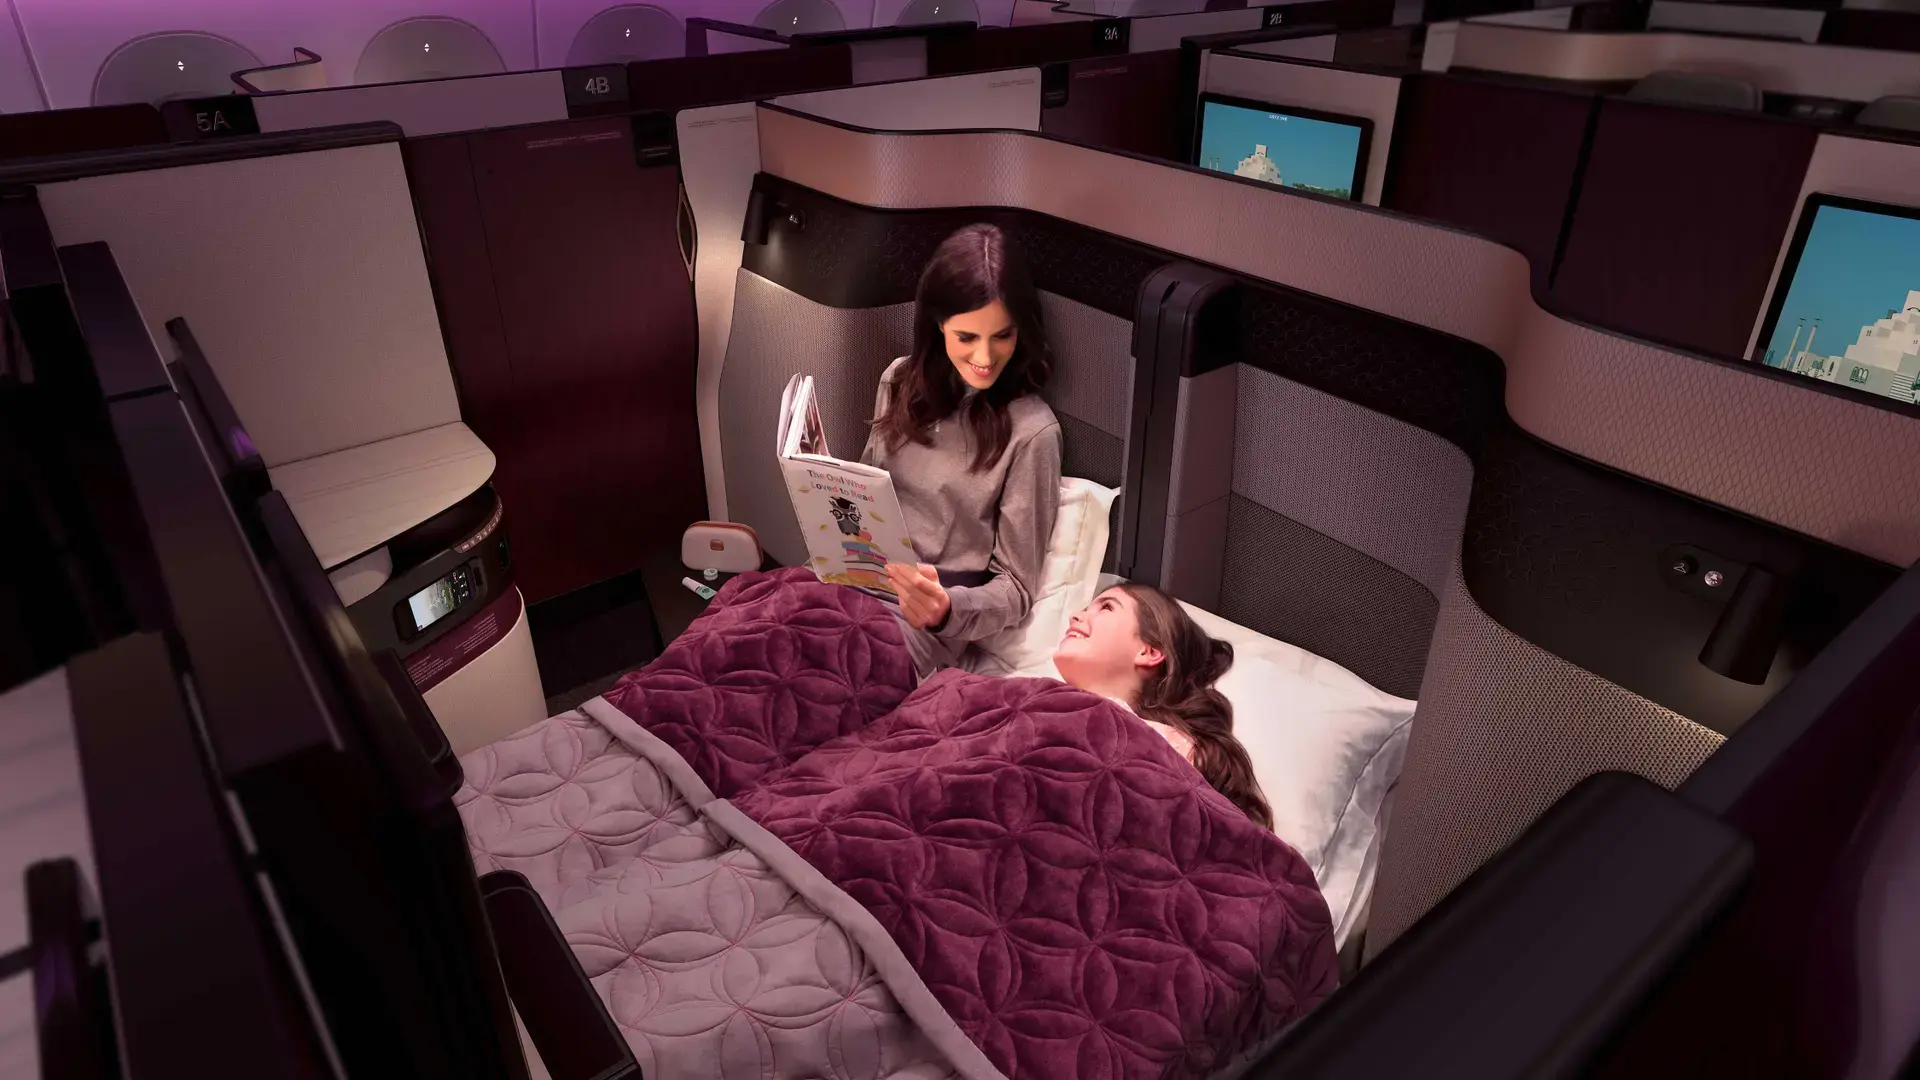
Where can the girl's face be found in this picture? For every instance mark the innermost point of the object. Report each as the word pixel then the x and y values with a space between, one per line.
pixel 980 343
pixel 1103 650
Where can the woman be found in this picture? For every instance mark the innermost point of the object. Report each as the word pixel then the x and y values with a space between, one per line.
pixel 1135 645
pixel 973 450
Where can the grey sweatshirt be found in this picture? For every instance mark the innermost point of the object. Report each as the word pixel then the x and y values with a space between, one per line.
pixel 999 519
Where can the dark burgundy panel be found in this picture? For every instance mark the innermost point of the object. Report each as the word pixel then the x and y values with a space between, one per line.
pixel 440 170
pixel 1392 47
pixel 1872 29
pixel 1019 46
pixel 1127 103
pixel 1494 159
pixel 604 459
pixel 689 81
pixel 1680 215
pixel 77 131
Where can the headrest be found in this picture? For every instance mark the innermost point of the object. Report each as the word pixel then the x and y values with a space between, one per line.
pixel 1893 111
pixel 1687 88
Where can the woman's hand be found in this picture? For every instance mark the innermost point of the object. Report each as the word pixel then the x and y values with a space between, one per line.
pixel 923 602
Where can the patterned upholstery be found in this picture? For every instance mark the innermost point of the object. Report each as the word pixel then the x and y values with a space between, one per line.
pixel 1313 519
pixel 1504 729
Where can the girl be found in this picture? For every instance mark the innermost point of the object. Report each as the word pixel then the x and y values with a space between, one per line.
pixel 1136 646
pixel 973 450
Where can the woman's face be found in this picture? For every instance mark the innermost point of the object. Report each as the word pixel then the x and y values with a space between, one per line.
pixel 980 343
pixel 1102 650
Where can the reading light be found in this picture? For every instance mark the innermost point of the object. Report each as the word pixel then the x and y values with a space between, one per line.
pixel 1744 640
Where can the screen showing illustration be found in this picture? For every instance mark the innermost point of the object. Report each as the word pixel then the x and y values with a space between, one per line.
pixel 1286 147
pixel 433 603
pixel 1848 308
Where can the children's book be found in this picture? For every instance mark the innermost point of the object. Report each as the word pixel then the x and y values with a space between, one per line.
pixel 847 511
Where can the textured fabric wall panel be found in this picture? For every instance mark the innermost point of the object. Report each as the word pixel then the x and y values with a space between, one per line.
pixel 776 335
pixel 1092 364
pixel 1680 263
pixel 1290 582
pixel 1203 440
pixel 1623 403
pixel 1193 559
pixel 1381 487
pixel 850 256
pixel 1504 729
pixel 1715 431
pixel 1431 381
pixel 303 278
pixel 1450 281
pixel 1089 453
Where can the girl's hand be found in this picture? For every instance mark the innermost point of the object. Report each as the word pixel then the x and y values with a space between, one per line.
pixel 923 603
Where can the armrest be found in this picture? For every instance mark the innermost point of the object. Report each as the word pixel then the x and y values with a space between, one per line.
pixel 563 1014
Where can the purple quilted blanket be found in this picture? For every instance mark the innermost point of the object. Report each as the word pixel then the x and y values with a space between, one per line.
pixel 1077 900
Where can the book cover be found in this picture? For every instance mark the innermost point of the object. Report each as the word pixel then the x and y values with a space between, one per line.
pixel 848 512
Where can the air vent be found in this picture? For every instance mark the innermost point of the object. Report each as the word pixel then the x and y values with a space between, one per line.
pixel 628 33
pixel 801 17
pixel 427 48
pixel 169 67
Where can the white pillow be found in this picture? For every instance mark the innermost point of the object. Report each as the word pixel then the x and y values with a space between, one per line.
pixel 1326 747
pixel 1069 582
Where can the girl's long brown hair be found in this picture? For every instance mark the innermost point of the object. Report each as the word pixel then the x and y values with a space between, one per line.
pixel 1180 694
pixel 969 270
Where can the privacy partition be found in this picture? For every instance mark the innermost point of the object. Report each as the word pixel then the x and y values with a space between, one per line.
pixel 1548 660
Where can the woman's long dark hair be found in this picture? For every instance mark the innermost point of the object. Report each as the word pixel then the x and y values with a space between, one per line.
pixel 970 269
pixel 1180 694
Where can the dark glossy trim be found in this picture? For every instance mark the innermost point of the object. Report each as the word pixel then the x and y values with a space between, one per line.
pixel 1183 315
pixel 141 158
pixel 199 986
pixel 122 350
pixel 1564 936
pixel 1873 656
pixel 564 1015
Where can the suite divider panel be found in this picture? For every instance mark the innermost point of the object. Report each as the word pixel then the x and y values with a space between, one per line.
pixel 79 131
pixel 1136 104
pixel 1020 46
pixel 1558 648
pixel 1865 29
pixel 690 81
pixel 1679 216
pixel 1497 159
pixel 569 320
